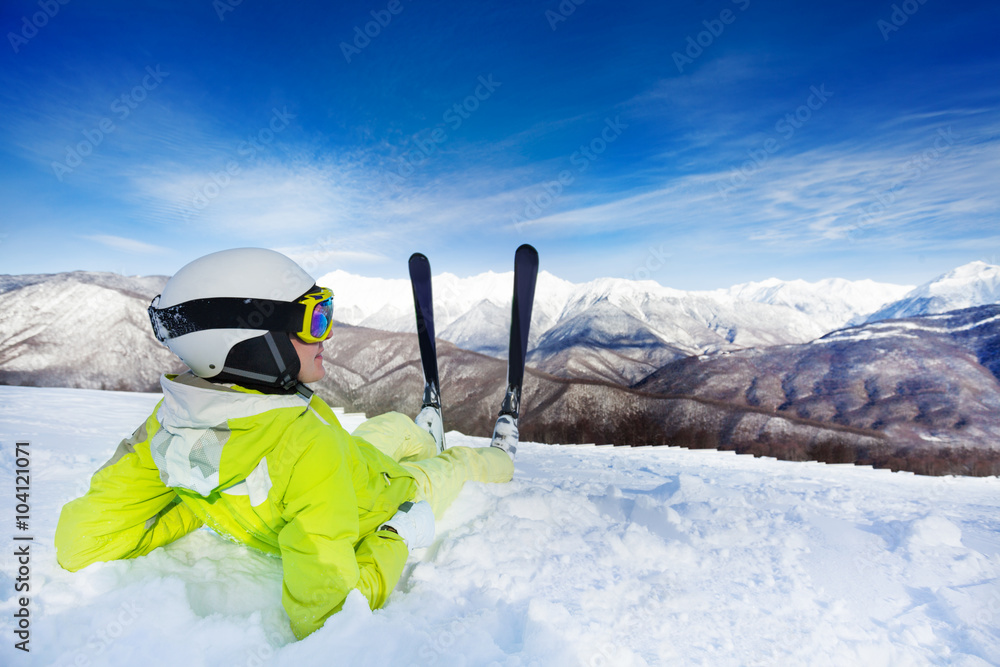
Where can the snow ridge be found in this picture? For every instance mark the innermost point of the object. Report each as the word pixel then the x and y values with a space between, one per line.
pixel 473 312
pixel 973 284
pixel 613 329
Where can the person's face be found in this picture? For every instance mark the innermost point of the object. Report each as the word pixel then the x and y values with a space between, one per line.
pixel 310 360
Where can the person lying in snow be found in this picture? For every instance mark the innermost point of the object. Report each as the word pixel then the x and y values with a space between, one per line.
pixel 240 444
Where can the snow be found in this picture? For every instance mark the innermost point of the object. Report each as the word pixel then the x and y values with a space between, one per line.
pixel 973 284
pixel 591 556
pixel 832 302
pixel 471 312
pixel 90 329
pixel 900 329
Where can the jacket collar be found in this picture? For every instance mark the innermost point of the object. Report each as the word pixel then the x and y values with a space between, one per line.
pixel 194 418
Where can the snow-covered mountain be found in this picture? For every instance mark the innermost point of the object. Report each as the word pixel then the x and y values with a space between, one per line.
pixel 919 394
pixel 473 313
pixel 614 329
pixel 616 324
pixel 81 329
pixel 820 306
pixel 755 386
pixel 56 329
pixel 831 303
pixel 973 284
pixel 930 383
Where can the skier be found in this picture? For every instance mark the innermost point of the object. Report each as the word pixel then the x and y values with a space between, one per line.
pixel 240 444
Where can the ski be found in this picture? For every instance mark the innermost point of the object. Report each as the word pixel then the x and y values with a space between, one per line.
pixel 429 417
pixel 505 431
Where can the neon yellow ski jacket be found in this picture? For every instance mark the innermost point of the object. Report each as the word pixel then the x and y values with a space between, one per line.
pixel 276 473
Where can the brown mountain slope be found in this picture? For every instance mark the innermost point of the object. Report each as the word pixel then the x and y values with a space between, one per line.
pixel 372 372
pixel 927 383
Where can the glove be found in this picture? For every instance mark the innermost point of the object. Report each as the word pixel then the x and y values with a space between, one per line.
pixel 414 522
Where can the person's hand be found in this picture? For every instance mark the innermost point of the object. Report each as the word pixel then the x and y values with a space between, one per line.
pixel 414 522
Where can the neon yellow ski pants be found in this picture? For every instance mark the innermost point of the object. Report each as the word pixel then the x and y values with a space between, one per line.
pixel 439 477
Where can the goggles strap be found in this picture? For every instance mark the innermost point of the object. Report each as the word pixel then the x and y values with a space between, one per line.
pixel 224 313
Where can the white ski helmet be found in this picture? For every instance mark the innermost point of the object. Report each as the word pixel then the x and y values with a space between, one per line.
pixel 238 345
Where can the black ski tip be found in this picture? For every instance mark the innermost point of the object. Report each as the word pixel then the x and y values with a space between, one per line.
pixel 420 267
pixel 527 251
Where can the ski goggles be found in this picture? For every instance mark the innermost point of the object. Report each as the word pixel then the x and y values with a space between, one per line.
pixel 310 317
pixel 317 320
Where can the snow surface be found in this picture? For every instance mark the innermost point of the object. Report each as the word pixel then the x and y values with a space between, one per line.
pixel 591 556
pixel 972 284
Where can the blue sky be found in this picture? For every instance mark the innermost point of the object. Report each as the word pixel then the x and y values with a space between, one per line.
pixel 696 143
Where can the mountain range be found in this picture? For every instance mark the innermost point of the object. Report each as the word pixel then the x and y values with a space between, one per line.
pixel 81 329
pixel 928 384
pixel 973 284
pixel 614 329
pixel 783 368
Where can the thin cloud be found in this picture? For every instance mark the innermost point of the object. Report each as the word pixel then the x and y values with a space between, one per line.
pixel 320 259
pixel 933 180
pixel 825 195
pixel 127 245
pixel 265 198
